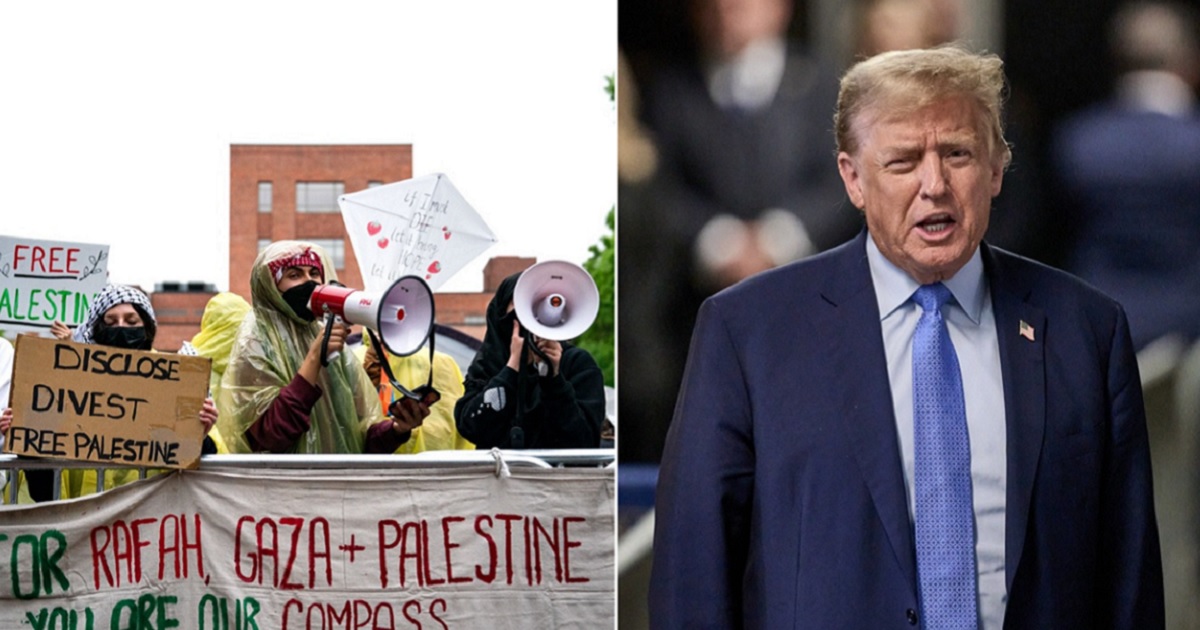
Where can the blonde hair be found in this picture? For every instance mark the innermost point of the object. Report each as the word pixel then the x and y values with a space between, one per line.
pixel 902 81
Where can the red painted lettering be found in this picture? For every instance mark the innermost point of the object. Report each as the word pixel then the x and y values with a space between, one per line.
pixel 295 524
pixel 491 573
pixel 569 544
pixel 99 557
pixel 429 579
pixel 552 543
pixel 433 612
pixel 508 563
pixel 237 553
pixel 386 543
pixel 138 544
pixel 448 546
pixel 38 259
pixel 410 533
pixel 318 532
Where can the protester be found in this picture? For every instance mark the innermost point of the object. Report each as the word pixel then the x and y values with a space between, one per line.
pixel 742 184
pixel 276 395
pixel 830 465
pixel 223 316
pixel 438 432
pixel 508 404
pixel 1129 170
pixel 120 317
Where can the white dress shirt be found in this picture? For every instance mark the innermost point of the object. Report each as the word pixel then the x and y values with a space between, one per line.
pixel 972 326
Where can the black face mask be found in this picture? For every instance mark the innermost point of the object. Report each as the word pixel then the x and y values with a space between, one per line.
pixel 127 337
pixel 297 298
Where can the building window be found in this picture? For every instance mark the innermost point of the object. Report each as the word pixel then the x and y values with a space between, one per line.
pixel 262 244
pixel 318 196
pixel 335 248
pixel 264 196
pixel 374 183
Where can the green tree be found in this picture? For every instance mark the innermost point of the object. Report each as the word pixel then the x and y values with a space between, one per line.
pixel 599 340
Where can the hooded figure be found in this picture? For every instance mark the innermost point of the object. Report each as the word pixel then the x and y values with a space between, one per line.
pixel 266 402
pixel 219 327
pixel 94 328
pixel 504 408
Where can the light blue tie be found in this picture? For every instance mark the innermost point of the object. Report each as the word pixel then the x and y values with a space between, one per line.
pixel 945 517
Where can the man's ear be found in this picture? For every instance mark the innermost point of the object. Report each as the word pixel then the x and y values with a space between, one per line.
pixel 851 178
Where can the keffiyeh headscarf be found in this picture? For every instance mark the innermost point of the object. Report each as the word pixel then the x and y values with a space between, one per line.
pixel 270 347
pixel 110 296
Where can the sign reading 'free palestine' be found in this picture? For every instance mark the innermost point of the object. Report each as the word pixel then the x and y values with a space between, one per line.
pixel 44 281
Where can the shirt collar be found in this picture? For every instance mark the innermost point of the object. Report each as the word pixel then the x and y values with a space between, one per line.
pixel 894 287
pixel 749 79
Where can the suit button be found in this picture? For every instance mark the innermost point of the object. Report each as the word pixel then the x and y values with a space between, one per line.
pixel 912 616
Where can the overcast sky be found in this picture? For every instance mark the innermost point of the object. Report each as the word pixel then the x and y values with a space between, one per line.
pixel 117 117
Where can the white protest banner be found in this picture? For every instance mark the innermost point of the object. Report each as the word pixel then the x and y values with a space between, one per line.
pixel 421 227
pixel 269 549
pixel 43 281
pixel 95 403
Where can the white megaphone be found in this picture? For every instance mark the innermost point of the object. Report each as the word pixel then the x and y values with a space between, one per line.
pixel 403 314
pixel 556 300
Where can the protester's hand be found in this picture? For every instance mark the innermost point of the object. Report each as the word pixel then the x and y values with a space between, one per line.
pixel 752 259
pixel 60 330
pixel 516 346
pixel 371 364
pixel 553 351
pixel 5 420
pixel 407 414
pixel 337 339
pixel 208 414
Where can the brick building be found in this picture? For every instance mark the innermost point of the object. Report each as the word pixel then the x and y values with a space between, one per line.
pixel 178 307
pixel 284 192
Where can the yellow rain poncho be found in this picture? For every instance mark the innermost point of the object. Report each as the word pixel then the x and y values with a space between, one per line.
pixel 269 349
pixel 223 316
pixel 437 432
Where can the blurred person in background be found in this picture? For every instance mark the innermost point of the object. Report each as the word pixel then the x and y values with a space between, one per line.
pixel 743 183
pixel 1129 171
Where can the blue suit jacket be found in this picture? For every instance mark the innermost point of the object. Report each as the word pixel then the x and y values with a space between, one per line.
pixel 781 501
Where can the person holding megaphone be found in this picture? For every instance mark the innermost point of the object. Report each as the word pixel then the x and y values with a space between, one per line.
pixel 526 391
pixel 288 387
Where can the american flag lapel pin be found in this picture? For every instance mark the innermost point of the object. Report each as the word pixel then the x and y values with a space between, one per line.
pixel 1026 330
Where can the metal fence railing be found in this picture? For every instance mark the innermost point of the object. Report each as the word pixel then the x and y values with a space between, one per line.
pixel 539 458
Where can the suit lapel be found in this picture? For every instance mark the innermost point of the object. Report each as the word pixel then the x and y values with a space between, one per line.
pixel 865 398
pixel 1023 366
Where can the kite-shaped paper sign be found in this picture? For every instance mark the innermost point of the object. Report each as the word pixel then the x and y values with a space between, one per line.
pixel 421 227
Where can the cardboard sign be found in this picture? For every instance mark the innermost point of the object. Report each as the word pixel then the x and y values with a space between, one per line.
pixel 262 549
pixel 43 281
pixel 95 403
pixel 417 227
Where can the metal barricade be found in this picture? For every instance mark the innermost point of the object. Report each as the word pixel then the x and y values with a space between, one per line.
pixel 537 458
